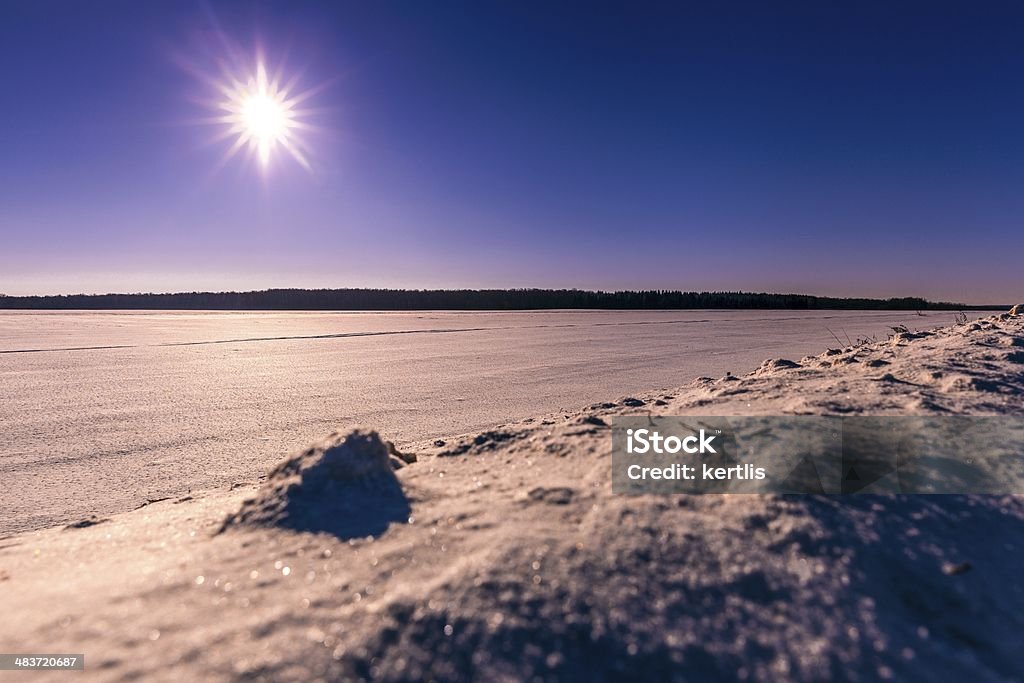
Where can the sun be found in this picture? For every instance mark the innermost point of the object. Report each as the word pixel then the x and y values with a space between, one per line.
pixel 266 122
pixel 263 117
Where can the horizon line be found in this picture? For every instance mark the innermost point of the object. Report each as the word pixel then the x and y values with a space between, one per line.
pixel 549 296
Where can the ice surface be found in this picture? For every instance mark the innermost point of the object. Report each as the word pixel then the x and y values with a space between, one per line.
pixel 158 404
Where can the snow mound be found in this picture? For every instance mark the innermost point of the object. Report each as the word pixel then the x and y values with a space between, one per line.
pixel 344 485
pixel 773 365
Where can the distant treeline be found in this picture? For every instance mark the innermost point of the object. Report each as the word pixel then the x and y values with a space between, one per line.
pixel 462 299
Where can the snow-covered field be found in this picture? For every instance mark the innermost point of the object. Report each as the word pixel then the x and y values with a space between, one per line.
pixel 504 555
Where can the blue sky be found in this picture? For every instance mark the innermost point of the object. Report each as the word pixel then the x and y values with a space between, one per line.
pixel 869 148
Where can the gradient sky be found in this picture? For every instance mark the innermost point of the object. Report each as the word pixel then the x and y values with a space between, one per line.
pixel 839 148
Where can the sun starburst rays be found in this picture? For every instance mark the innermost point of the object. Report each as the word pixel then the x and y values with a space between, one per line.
pixel 262 117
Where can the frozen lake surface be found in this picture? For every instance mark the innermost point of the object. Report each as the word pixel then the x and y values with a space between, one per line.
pixel 102 411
